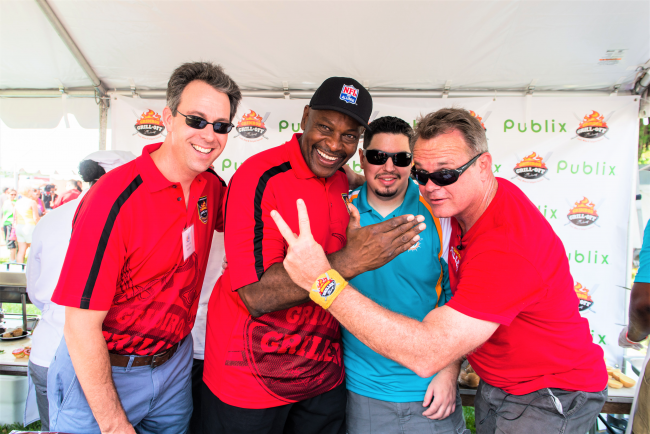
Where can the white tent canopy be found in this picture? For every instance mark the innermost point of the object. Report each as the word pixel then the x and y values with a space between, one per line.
pixel 389 45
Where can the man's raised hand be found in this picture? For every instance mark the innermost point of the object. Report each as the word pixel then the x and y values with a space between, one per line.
pixel 305 259
pixel 370 247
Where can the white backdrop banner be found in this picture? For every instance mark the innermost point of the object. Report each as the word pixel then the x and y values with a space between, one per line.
pixel 575 158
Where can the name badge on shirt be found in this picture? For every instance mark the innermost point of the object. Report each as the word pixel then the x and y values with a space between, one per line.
pixel 188 242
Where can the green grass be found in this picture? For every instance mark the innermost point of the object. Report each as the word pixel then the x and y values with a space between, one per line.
pixel 18 308
pixel 5 429
pixel 468 412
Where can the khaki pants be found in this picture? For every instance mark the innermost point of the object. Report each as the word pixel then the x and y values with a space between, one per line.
pixel 641 423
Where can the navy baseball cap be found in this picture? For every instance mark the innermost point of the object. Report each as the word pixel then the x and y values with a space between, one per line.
pixel 344 95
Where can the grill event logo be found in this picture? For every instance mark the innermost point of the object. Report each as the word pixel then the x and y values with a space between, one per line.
pixel 251 127
pixel 531 167
pixel 478 118
pixel 149 124
pixel 592 126
pixel 583 213
pixel 583 296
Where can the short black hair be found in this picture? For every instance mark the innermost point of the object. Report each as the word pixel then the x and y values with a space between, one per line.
pixel 90 171
pixel 387 124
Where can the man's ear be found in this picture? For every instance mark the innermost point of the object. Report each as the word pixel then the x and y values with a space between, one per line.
pixel 305 116
pixel 485 162
pixel 168 119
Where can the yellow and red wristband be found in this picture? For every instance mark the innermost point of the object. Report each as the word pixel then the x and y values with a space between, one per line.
pixel 326 288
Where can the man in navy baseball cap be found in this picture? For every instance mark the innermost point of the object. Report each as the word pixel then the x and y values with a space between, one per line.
pixel 333 123
pixel 273 358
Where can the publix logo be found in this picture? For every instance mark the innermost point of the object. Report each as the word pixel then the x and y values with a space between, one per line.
pixel 583 214
pixel 149 125
pixel 543 126
pixel 531 168
pixel 583 296
pixel 592 126
pixel 251 127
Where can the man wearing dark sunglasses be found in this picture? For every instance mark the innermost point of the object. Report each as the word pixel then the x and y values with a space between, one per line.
pixel 273 361
pixel 134 268
pixel 383 394
pixel 514 311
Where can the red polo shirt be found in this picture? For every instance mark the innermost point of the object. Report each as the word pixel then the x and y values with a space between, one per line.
pixel 513 270
pixel 126 257
pixel 292 354
pixel 66 197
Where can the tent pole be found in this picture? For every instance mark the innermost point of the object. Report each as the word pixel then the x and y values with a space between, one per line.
pixel 103 124
pixel 72 46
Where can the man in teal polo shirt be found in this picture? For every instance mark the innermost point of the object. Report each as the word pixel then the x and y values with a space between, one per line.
pixel 384 396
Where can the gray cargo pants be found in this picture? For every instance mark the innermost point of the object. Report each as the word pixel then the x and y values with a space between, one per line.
pixel 372 416
pixel 544 411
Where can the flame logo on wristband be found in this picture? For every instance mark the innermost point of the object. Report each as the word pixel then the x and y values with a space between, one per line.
pixel 325 286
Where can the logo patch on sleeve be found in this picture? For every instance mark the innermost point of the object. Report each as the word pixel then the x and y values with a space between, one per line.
pixel 203 209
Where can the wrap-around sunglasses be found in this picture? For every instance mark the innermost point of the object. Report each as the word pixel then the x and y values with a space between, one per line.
pixel 441 177
pixel 199 123
pixel 377 158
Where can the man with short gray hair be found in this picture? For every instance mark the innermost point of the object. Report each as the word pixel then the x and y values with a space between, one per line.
pixel 513 312
pixel 134 270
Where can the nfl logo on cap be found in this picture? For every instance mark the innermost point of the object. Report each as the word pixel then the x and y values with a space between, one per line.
pixel 349 94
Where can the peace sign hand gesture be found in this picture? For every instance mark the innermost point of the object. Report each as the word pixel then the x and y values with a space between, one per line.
pixel 305 259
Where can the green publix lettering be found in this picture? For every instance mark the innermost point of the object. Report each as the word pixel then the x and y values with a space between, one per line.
pixel 535 127
pixel 589 258
pixel 227 164
pixel 283 125
pixel 600 168
pixel 601 338
pixel 547 212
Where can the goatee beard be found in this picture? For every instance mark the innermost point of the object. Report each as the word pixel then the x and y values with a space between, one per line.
pixel 386 193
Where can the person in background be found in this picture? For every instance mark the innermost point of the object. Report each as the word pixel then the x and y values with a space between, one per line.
pixel 71 193
pixel 7 222
pixel 213 271
pixel 49 245
pixel 4 196
pixel 79 186
pixel 49 196
pixel 384 396
pixel 26 216
pixel 39 203
pixel 637 330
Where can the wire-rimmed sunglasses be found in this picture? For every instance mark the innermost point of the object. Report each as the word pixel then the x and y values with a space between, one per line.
pixel 378 158
pixel 199 123
pixel 442 177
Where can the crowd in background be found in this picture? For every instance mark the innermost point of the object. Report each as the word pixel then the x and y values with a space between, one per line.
pixel 22 210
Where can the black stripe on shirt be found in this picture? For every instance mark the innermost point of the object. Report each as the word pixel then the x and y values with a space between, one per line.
pixel 103 240
pixel 257 213
pixel 211 170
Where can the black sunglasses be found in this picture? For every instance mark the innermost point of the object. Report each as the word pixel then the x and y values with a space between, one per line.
pixel 441 177
pixel 199 123
pixel 378 158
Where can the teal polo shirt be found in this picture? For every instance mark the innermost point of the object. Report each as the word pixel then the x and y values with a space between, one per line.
pixel 412 284
pixel 643 275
